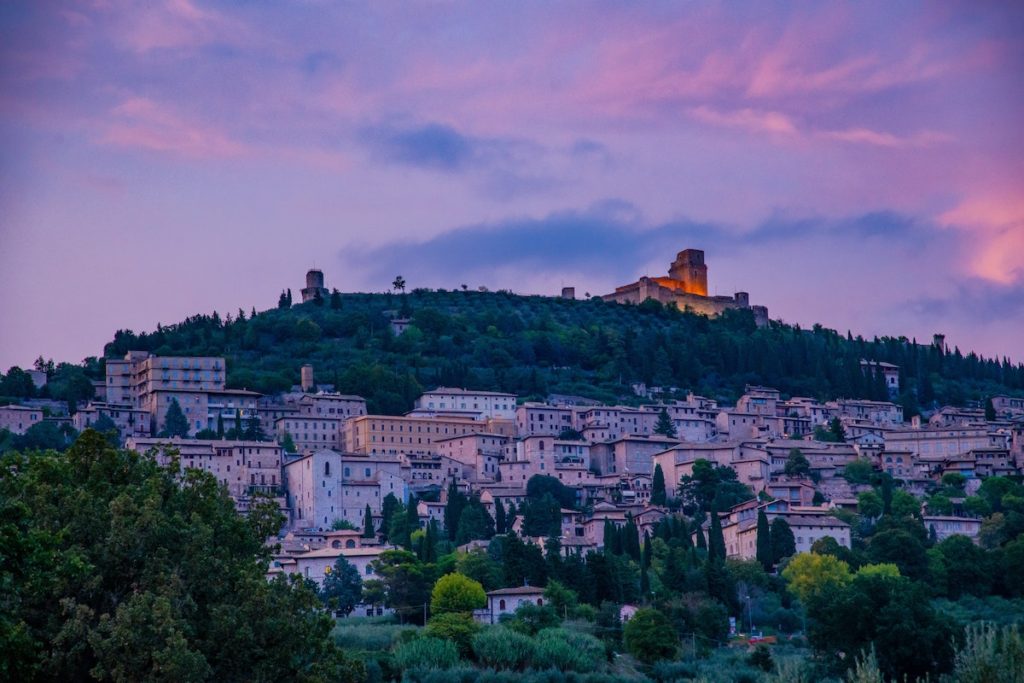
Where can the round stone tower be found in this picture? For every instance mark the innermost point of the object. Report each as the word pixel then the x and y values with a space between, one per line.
pixel 314 284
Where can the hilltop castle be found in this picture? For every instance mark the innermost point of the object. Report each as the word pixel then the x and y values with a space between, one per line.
pixel 686 287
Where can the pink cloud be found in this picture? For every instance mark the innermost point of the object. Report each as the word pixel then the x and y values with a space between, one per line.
pixel 144 124
pixel 177 24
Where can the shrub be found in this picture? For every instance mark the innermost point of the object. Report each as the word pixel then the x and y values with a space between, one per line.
pixel 456 593
pixel 990 654
pixel 426 653
pixel 503 648
pixel 531 619
pixel 567 650
pixel 456 627
pixel 649 636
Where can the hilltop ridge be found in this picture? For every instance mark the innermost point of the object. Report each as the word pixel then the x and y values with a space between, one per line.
pixel 535 345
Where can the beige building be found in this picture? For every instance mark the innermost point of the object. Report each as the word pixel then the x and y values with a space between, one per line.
pixel 245 468
pixel 944 441
pixel 130 422
pixel 739 526
pixel 17 419
pixel 478 454
pixel 533 419
pixel 451 401
pixel 686 288
pixel 629 454
pixel 406 435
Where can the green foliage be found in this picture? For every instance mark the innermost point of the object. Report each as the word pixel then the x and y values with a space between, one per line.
pixel 858 471
pixel 456 593
pixel 658 493
pixel 602 346
pixel 797 464
pixel 782 539
pixel 426 653
pixel 764 542
pixel 869 504
pixel 175 423
pixel 565 650
pixel 530 619
pixel 118 567
pixel 340 524
pixel 502 648
pixel 649 636
pixel 811 575
pixel 665 426
pixel 892 614
pixel 990 654
pixel 458 627
pixel 712 485
pixel 342 588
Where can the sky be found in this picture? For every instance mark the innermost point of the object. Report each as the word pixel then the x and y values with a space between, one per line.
pixel 858 165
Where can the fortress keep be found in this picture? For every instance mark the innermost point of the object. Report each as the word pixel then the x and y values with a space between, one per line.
pixel 314 286
pixel 686 287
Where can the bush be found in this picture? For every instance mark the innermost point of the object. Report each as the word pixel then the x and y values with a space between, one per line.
pixel 503 648
pixel 566 650
pixel 531 619
pixel 426 653
pixel 456 593
pixel 368 636
pixel 990 655
pixel 458 628
pixel 649 636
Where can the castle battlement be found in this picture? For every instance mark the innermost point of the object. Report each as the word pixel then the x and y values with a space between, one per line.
pixel 686 288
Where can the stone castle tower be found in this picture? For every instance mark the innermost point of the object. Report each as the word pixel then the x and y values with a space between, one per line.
pixel 690 272
pixel 314 285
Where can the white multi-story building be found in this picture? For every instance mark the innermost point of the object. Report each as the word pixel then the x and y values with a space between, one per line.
pixel 327 485
pixel 450 401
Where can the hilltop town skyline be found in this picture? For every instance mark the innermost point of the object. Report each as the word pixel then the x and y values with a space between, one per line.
pixel 854 166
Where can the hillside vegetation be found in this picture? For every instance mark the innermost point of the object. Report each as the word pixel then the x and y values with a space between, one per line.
pixel 532 346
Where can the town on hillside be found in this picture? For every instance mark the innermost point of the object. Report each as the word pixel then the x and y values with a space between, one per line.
pixel 332 468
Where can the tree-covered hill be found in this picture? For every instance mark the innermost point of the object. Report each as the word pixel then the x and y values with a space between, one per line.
pixel 533 346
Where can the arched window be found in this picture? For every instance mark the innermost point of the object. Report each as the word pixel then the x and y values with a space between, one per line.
pixel 335 543
pixel 350 543
pixel 327 469
pixel 501 604
pixel 540 602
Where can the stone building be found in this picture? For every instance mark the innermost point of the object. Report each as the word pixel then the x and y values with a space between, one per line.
pixel 314 286
pixel 686 287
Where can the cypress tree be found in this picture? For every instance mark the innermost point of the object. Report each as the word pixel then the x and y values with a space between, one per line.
pixel 764 541
pixel 499 518
pixel 665 426
pixel 699 531
pixel 658 486
pixel 368 523
pixel 175 422
pixel 783 541
pixel 220 425
pixel 412 521
pixel 453 510
pixel 716 541
pixel 646 553
pixel 631 538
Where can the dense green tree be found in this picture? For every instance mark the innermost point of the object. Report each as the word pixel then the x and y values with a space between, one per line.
pixel 650 636
pixel 711 484
pixel 342 587
pixel 990 410
pixel 797 464
pixel 892 615
pixel 783 541
pixel 540 485
pixel 869 504
pixel 658 495
pixel 500 521
pixel 456 593
pixel 764 542
pixel 716 540
pixel 474 523
pixel 456 502
pixel 665 425
pixel 901 548
pixel 368 531
pixel 109 546
pixel 858 471
pixel 175 423
pixel 406 583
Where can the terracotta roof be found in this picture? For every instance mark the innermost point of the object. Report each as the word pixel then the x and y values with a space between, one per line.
pixel 519 590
